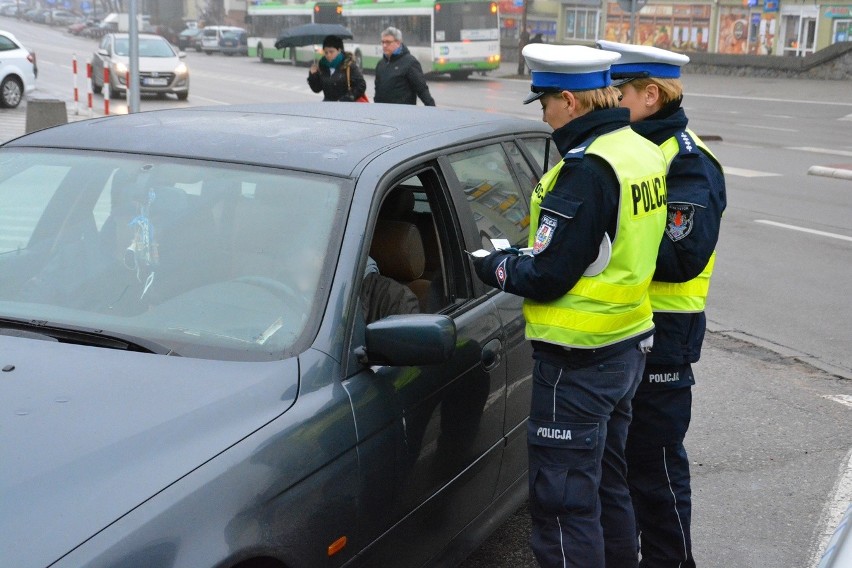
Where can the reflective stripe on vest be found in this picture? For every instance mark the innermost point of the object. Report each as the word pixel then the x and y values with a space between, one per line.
pixel 690 296
pixel 614 305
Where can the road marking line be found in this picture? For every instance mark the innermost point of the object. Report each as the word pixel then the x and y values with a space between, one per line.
pixel 841 398
pixel 804 230
pixel 847 117
pixel 821 150
pixel 742 172
pixel 740 97
pixel 834 510
pixel 761 127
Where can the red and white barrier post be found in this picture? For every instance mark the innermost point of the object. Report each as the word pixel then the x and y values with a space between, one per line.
pixel 106 90
pixel 76 92
pixel 89 87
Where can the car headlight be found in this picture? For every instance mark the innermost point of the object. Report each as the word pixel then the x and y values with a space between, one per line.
pixel 181 69
pixel 119 68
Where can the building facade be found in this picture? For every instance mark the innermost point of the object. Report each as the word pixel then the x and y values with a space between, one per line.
pixel 753 27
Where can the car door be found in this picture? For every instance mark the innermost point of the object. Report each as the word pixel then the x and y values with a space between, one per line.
pixel 430 436
pixel 496 180
pixel 100 61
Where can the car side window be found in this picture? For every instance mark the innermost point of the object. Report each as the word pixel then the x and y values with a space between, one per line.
pixel 495 196
pixel 7 44
pixel 527 176
pixel 415 244
pixel 541 147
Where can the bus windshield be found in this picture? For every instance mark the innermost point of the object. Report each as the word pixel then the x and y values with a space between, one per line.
pixel 467 21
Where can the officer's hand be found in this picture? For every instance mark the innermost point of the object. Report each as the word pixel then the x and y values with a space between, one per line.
pixel 486 268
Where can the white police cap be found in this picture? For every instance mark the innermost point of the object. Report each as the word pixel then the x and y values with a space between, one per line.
pixel 644 61
pixel 557 68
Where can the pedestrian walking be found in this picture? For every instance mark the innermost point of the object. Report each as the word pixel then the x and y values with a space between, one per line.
pixel 336 74
pixel 657 463
pixel 596 221
pixel 399 76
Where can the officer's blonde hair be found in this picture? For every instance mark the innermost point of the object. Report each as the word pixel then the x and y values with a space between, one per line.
pixel 670 89
pixel 598 99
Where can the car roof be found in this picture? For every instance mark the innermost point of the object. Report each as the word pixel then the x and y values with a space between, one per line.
pixel 336 138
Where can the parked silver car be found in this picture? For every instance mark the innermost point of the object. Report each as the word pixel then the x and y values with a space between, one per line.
pixel 162 69
pixel 250 336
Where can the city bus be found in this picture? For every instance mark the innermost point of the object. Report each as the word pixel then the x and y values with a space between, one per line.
pixel 458 37
pixel 266 19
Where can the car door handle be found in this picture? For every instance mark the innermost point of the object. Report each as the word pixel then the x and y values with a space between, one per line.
pixel 491 354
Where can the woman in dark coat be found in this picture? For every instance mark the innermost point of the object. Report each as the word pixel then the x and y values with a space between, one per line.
pixel 329 76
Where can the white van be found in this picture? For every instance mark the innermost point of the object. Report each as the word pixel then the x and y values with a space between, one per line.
pixel 211 35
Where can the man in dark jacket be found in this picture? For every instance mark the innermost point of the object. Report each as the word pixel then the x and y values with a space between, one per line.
pixel 399 77
pixel 382 296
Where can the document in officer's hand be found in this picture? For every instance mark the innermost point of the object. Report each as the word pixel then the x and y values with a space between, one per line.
pixel 501 245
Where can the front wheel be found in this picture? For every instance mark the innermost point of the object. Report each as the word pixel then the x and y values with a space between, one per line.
pixel 11 92
pixel 183 96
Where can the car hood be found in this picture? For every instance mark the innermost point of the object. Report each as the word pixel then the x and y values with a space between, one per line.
pixel 149 64
pixel 87 434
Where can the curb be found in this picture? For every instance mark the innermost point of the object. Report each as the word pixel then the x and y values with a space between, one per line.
pixel 839 172
pixel 781 350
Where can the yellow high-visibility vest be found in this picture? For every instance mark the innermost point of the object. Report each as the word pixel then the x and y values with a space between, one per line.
pixel 690 296
pixel 613 305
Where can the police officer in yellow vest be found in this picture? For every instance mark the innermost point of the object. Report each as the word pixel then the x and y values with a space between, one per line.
pixel 596 221
pixel 658 468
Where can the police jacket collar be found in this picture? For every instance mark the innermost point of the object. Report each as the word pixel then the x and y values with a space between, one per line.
pixel 662 125
pixel 589 125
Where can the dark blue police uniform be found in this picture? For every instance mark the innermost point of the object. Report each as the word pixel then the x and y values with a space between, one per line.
pixel 658 466
pixel 614 370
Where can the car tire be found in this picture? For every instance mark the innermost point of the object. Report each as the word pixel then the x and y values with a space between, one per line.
pixel 183 96
pixel 97 89
pixel 11 92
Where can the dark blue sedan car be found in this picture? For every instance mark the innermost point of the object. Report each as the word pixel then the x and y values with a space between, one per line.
pixel 195 370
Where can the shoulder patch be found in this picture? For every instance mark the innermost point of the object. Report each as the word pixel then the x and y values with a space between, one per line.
pixel 544 234
pixel 679 221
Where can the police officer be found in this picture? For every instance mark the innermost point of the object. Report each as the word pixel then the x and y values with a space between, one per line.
pixel 596 221
pixel 658 468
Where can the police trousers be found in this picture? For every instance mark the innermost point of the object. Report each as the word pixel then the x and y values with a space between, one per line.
pixel 580 504
pixel 658 467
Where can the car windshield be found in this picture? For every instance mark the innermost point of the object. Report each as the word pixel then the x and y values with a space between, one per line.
pixel 207 260
pixel 148 47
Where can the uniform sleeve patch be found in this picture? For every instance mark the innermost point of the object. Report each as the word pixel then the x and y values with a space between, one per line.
pixel 544 234
pixel 502 274
pixel 680 220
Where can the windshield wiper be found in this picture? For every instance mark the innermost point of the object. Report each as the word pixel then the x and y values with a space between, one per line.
pixel 85 336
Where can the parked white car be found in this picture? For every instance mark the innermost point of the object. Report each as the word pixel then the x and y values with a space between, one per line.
pixel 17 70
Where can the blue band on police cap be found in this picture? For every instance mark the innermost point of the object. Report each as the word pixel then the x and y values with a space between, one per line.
pixel 661 70
pixel 571 81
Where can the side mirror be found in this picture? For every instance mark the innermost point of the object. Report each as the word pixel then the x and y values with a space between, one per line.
pixel 181 54
pixel 103 52
pixel 418 339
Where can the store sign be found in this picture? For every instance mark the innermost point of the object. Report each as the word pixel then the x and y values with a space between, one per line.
pixel 770 6
pixel 838 12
